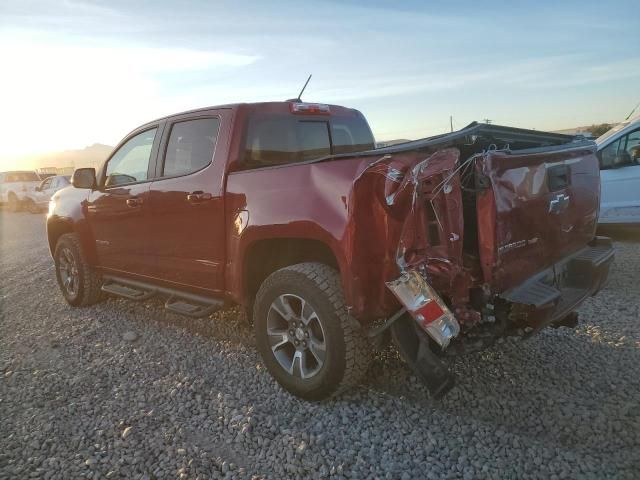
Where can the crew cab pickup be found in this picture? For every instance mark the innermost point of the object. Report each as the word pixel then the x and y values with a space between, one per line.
pixel 332 247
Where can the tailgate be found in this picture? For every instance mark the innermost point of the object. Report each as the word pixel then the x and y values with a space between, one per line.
pixel 537 207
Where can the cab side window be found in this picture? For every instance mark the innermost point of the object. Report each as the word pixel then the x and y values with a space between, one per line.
pixel 130 163
pixel 608 155
pixel 191 145
pixel 623 152
pixel 632 147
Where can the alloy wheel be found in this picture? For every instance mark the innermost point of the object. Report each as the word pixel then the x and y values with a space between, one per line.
pixel 68 270
pixel 296 336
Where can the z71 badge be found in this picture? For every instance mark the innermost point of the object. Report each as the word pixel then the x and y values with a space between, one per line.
pixel 513 245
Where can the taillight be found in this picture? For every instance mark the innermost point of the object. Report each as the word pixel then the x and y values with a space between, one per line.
pixel 426 307
pixel 310 108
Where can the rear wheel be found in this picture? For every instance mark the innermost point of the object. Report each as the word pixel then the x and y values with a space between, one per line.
pixel 13 203
pixel 307 339
pixel 79 282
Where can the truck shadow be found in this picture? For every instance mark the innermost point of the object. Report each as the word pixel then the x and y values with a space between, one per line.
pixel 554 390
pixel 225 325
pixel 621 233
pixel 550 392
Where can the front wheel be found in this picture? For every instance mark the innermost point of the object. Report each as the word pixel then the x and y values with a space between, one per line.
pixel 79 282
pixel 307 339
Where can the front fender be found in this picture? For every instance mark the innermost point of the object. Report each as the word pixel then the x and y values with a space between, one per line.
pixel 67 214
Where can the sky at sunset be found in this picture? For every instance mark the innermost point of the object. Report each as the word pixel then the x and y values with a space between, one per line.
pixel 79 72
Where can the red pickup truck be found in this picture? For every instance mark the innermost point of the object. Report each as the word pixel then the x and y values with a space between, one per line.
pixel 332 246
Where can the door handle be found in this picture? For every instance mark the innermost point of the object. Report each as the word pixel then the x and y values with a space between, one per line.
pixel 198 196
pixel 134 202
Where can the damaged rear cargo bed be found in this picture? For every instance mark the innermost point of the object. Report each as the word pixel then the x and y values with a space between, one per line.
pixel 497 238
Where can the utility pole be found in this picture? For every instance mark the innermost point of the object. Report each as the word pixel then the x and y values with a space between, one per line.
pixel 451 121
pixel 488 121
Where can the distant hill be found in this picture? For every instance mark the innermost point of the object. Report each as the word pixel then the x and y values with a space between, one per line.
pixel 584 131
pixel 388 143
pixel 91 156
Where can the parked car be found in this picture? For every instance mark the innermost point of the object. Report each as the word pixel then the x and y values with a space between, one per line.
pixel 38 200
pixel 16 188
pixel 619 155
pixel 448 243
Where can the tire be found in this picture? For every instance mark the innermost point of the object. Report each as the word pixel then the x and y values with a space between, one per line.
pixel 13 203
pixel 334 353
pixel 85 288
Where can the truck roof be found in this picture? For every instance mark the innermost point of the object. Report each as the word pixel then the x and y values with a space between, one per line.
pixel 235 106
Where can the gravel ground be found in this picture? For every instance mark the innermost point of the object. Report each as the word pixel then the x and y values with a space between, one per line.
pixel 126 390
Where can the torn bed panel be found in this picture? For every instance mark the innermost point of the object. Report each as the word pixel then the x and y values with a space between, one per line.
pixel 411 204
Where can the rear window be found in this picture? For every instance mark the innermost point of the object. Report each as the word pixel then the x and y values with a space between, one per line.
pixel 11 177
pixel 277 139
pixel 350 135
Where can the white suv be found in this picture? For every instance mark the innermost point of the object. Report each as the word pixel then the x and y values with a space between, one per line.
pixel 17 188
pixel 619 154
pixel 39 201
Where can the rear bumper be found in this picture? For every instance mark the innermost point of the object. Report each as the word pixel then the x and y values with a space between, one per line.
pixel 552 294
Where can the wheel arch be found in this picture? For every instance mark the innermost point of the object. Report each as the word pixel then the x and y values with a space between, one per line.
pixel 58 226
pixel 55 229
pixel 263 257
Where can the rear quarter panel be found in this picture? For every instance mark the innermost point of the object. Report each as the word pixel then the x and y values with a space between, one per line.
pixel 317 202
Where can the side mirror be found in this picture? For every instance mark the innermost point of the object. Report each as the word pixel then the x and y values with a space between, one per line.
pixel 84 178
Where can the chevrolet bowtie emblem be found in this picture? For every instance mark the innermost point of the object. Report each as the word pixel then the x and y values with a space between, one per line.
pixel 559 204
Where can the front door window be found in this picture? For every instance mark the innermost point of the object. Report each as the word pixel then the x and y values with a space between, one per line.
pixel 130 164
pixel 45 185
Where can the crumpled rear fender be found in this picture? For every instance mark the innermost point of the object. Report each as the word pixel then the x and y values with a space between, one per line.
pixel 406 214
